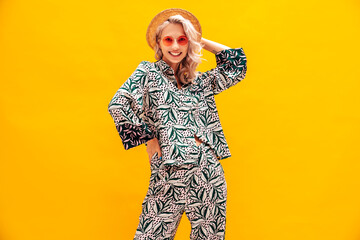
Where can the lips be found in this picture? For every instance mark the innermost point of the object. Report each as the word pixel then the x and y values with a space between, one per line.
pixel 175 54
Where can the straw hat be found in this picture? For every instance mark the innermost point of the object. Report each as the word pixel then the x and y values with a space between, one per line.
pixel 163 16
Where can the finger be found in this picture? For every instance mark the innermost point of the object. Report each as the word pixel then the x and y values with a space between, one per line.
pixel 152 155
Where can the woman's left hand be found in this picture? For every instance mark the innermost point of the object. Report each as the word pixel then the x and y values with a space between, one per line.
pixel 152 147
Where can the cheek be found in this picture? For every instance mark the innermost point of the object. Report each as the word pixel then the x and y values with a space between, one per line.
pixel 164 48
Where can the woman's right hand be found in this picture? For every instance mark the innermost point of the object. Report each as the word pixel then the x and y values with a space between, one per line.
pixel 153 146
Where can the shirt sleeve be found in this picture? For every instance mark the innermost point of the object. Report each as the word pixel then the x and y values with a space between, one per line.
pixel 230 69
pixel 129 110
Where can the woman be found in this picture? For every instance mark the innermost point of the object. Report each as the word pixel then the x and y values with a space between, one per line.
pixel 170 107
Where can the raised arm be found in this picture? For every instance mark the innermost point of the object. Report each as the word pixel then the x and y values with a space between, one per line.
pixel 231 66
pixel 212 46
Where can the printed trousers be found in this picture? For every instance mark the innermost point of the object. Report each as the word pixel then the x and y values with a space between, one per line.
pixel 198 190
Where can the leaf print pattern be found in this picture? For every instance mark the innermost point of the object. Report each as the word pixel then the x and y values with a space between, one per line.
pixel 199 190
pixel 129 112
pixel 231 69
pixel 149 104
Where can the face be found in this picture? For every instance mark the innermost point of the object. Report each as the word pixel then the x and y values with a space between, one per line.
pixel 174 44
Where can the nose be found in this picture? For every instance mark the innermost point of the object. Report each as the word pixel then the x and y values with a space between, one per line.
pixel 175 45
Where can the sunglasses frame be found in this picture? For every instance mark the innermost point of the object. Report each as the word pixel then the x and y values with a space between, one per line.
pixel 166 43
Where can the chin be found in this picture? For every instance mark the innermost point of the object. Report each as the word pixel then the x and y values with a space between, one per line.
pixel 176 61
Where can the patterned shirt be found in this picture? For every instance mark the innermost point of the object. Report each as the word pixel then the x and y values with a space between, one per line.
pixel 149 104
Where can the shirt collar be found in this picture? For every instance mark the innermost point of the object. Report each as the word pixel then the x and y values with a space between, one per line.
pixel 164 67
pixel 167 71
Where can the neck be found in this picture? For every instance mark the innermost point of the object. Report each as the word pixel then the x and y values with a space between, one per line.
pixel 175 67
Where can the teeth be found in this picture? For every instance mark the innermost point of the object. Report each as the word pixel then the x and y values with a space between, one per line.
pixel 175 54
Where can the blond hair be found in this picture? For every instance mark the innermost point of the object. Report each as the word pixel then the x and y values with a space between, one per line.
pixel 188 65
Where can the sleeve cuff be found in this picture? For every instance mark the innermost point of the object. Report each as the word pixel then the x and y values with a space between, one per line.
pixel 226 54
pixel 134 135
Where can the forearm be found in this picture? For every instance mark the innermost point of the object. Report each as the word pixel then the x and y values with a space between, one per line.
pixel 212 46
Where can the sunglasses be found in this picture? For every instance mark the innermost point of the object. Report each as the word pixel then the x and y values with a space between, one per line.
pixel 168 41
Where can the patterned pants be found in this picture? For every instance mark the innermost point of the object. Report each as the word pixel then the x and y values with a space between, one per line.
pixel 198 190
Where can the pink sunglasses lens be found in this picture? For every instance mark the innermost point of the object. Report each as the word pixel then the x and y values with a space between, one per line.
pixel 168 41
pixel 182 40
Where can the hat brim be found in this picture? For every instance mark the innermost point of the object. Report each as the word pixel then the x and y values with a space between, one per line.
pixel 163 16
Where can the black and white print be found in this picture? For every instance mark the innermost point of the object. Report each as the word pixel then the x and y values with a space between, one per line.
pixel 149 104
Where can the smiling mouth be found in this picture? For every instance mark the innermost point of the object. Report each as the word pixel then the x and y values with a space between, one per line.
pixel 175 55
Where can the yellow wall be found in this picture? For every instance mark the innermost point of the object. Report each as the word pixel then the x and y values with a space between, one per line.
pixel 292 125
